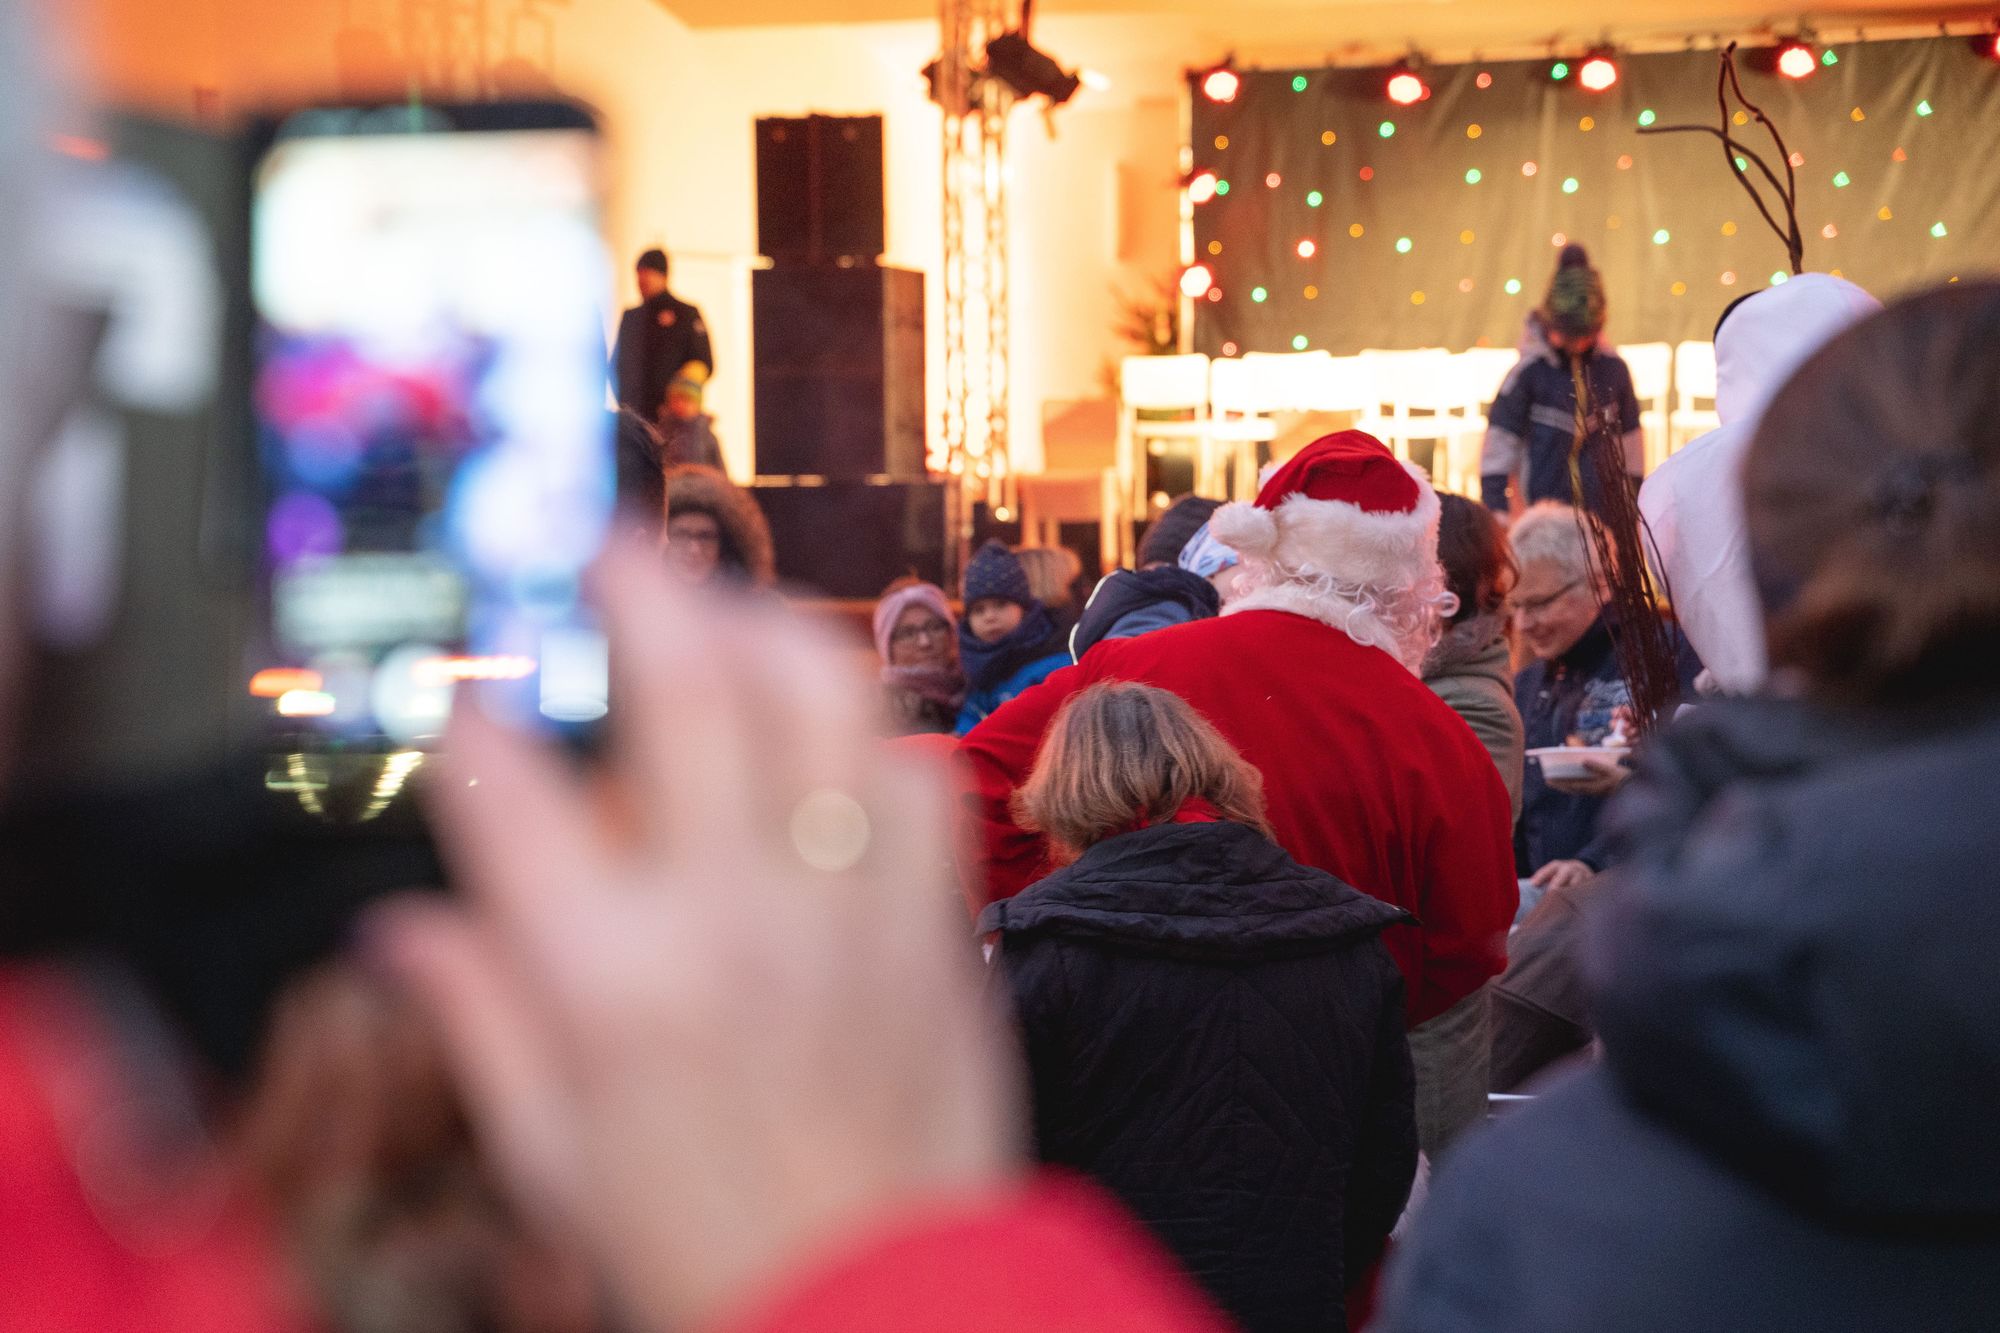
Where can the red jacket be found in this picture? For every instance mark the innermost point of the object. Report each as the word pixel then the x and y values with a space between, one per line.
pixel 1367 775
pixel 1057 1257
pixel 99 1229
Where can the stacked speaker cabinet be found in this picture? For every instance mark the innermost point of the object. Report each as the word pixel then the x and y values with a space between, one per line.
pixel 838 342
pixel 819 190
pixel 840 371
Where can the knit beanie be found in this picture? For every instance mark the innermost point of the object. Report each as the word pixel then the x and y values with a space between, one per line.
pixel 1172 529
pixel 900 599
pixel 995 571
pixel 1574 306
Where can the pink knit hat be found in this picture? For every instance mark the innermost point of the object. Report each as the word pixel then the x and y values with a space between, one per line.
pixel 894 602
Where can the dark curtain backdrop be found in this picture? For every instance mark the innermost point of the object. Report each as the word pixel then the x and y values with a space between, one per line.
pixel 1899 187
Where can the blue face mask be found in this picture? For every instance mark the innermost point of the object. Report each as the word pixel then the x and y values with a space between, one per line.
pixel 1205 556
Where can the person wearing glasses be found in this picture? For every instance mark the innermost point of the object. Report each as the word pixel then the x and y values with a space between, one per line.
pixel 1572 693
pixel 716 534
pixel 916 636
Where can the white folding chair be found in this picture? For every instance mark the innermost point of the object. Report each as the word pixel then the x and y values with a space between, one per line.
pixel 1289 377
pixel 1651 365
pixel 1157 385
pixel 1336 384
pixel 1694 394
pixel 1242 395
pixel 1475 376
pixel 1406 389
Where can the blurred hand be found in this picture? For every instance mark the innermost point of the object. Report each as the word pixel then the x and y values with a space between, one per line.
pixel 683 1042
pixel 1562 875
pixel 1606 776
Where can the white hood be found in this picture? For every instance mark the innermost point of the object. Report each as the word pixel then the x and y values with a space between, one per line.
pixel 1694 503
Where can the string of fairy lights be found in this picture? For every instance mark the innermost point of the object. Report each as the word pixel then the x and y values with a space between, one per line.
pixel 1223 173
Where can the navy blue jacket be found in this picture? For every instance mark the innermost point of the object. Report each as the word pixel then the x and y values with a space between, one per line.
pixel 1574 694
pixel 1129 602
pixel 1532 426
pixel 1215 1032
pixel 1792 976
pixel 996 672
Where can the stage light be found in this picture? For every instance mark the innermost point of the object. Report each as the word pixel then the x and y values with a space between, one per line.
pixel 305 703
pixel 1221 84
pixel 1598 73
pixel 1796 60
pixel 1201 188
pixel 1196 279
pixel 1405 88
pixel 1011 59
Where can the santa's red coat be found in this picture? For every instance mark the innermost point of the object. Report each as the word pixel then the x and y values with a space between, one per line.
pixel 1367 775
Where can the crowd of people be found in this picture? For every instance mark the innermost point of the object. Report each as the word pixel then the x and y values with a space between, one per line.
pixel 1269 895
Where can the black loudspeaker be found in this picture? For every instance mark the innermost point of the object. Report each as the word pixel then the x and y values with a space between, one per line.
pixel 840 372
pixel 819 189
pixel 853 538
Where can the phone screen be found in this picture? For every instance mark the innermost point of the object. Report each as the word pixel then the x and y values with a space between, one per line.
pixel 429 395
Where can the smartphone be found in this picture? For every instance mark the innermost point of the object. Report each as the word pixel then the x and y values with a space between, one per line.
pixel 428 393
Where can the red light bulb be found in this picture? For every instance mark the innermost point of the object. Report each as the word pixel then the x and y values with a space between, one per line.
pixel 1195 281
pixel 1796 60
pixel 1598 73
pixel 1221 85
pixel 1406 88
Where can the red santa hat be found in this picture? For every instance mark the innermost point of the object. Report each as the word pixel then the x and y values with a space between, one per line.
pixel 1343 507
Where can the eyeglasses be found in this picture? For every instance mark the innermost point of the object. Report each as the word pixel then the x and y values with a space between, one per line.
pixel 1517 607
pixel 933 629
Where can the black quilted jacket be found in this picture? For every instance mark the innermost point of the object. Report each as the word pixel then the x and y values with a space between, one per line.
pixel 1215 1032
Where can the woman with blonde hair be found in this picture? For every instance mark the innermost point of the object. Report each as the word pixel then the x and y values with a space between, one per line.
pixel 1053 572
pixel 1213 1031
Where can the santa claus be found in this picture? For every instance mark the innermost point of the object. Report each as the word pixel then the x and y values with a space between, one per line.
pixel 1310 671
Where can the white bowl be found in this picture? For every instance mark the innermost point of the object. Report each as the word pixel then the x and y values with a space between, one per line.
pixel 1560 763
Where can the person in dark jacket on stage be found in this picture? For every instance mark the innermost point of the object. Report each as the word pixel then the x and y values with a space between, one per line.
pixel 1213 1030
pixel 657 339
pixel 1532 427
pixel 1791 969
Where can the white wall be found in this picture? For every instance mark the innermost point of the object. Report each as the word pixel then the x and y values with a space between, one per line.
pixel 678 105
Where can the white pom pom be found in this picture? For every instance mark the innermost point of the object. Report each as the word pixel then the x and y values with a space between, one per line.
pixel 1244 528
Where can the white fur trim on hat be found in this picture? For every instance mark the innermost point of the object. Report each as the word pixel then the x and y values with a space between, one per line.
pixel 1334 537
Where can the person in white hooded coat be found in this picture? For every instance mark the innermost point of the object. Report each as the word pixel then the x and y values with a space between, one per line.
pixel 1693 503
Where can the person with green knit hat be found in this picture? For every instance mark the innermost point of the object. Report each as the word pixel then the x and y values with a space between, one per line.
pixel 1532 430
